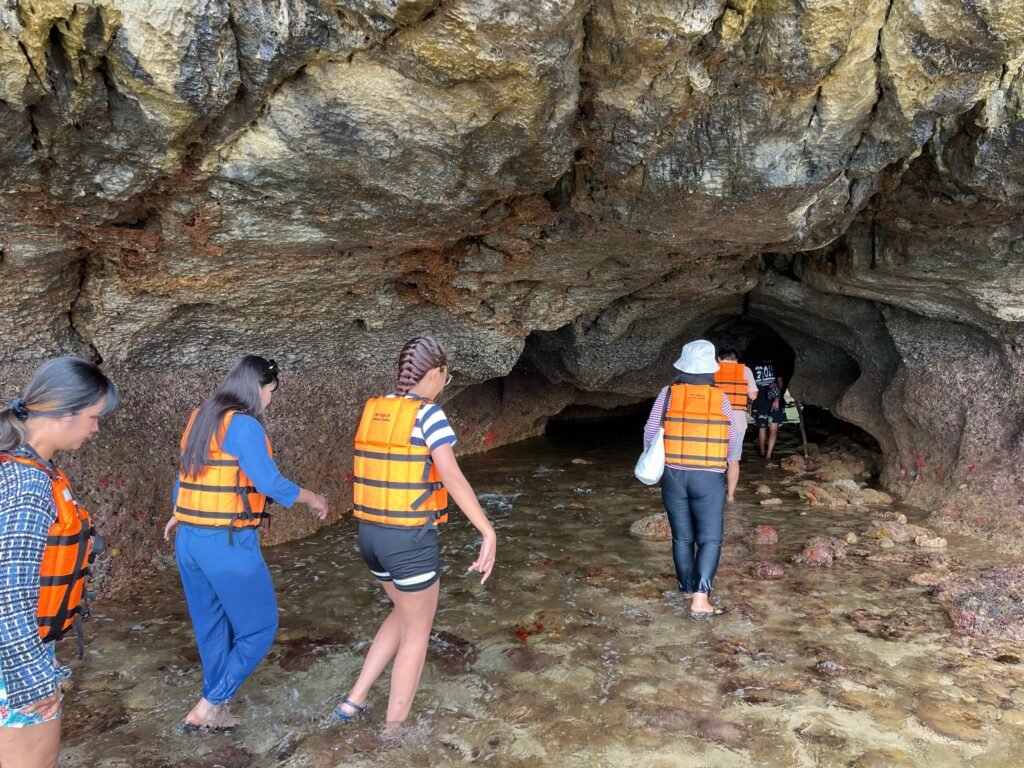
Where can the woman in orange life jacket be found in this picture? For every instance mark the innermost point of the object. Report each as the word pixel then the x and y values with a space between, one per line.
pixel 699 437
pixel 227 473
pixel 404 469
pixel 58 411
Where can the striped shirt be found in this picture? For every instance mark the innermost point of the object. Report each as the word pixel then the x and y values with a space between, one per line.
pixel 432 429
pixel 654 424
pixel 26 513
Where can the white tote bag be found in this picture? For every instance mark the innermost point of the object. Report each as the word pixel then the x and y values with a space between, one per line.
pixel 651 464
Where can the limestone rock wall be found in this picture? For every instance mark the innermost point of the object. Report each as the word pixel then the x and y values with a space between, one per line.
pixel 563 189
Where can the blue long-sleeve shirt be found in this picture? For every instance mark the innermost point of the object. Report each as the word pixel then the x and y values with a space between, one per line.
pixel 26 513
pixel 246 440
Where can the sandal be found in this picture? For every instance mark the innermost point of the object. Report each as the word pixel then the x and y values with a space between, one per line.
pixel 346 717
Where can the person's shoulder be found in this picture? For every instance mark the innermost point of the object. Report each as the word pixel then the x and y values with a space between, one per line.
pixel 243 425
pixel 23 481
pixel 431 413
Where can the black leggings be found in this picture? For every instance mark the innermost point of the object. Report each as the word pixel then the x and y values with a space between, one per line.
pixel 695 502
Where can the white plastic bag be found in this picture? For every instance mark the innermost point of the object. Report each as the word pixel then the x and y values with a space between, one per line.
pixel 651 463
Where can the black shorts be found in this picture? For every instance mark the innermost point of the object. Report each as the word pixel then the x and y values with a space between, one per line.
pixel 396 555
pixel 763 418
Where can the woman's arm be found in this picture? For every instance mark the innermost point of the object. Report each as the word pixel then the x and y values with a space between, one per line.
pixel 655 418
pixel 26 513
pixel 462 493
pixel 247 440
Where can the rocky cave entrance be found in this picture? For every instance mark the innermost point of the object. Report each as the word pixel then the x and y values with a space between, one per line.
pixel 816 377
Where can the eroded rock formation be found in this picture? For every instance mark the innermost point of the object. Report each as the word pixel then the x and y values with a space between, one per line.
pixel 562 190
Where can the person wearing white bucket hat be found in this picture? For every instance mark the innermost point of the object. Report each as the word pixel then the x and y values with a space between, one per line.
pixel 699 436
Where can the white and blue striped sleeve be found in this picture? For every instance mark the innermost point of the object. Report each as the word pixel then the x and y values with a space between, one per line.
pixel 433 429
pixel 26 513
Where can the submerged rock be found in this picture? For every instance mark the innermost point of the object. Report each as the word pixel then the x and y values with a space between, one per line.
pixel 990 606
pixel 720 731
pixel 950 718
pixel 898 532
pixel 820 551
pixel 765 536
pixel 451 652
pixel 936 542
pixel 654 527
pixel 773 502
pixel 768 571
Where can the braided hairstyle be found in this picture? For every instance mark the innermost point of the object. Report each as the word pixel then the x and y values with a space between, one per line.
pixel 418 356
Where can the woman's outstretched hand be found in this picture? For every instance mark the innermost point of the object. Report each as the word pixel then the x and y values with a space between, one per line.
pixel 484 562
pixel 171 524
pixel 315 501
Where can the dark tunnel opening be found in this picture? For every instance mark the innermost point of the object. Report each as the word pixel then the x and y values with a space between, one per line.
pixel 755 342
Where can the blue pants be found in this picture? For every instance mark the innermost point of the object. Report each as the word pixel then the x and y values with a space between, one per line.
pixel 231 602
pixel 695 502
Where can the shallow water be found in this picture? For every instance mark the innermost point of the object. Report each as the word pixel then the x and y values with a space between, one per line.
pixel 578 652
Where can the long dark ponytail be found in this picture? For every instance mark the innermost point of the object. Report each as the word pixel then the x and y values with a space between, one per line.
pixel 63 386
pixel 240 391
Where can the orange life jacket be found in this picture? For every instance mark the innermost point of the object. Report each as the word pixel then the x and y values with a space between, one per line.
pixel 66 558
pixel 395 483
pixel 221 495
pixel 696 431
pixel 733 381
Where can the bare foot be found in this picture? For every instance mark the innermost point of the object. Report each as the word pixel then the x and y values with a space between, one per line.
pixel 700 603
pixel 214 717
pixel 392 728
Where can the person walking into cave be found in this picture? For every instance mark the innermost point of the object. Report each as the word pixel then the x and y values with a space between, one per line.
pixel 405 467
pixel 226 477
pixel 699 438
pixel 736 380
pixel 767 409
pixel 46 544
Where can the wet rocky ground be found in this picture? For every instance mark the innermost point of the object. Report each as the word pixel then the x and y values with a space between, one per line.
pixel 850 638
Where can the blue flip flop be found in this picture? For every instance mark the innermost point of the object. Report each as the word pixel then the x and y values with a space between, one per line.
pixel 347 717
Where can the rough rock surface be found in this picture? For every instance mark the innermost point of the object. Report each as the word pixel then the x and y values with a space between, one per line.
pixel 563 191
pixel 821 551
pixel 990 606
pixel 654 527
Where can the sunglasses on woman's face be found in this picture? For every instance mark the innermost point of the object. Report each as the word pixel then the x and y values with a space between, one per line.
pixel 447 379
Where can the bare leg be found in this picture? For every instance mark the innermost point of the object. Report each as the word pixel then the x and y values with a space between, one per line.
pixel 382 651
pixel 416 613
pixel 732 477
pixel 403 636
pixel 35 746
pixel 772 434
pixel 760 438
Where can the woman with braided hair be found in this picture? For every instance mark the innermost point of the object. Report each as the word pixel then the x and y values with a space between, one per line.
pixel 404 470
pixel 46 540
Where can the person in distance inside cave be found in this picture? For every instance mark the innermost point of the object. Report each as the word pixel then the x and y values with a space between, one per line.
pixel 738 383
pixel 699 438
pixel 227 474
pixel 404 470
pixel 767 408
pixel 46 544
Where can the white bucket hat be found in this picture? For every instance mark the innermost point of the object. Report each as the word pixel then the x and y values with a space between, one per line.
pixel 697 357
